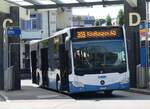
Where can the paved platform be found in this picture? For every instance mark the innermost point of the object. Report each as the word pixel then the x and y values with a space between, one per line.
pixel 31 92
pixel 2 98
pixel 32 97
pixel 142 91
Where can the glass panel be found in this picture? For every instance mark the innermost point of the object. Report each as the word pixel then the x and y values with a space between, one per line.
pixel 69 1
pixel 16 0
pixel 21 2
pixel 92 57
pixel 28 25
pixel 92 0
pixel 34 24
pixel 45 2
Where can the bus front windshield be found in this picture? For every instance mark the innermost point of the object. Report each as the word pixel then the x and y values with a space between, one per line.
pixel 93 57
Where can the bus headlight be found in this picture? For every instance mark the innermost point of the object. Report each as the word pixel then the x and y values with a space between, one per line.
pixel 78 84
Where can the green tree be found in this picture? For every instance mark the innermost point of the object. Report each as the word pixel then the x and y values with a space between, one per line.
pixel 108 20
pixel 120 17
pixel 97 22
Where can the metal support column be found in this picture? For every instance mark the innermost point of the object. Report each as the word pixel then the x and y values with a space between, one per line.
pixel 147 46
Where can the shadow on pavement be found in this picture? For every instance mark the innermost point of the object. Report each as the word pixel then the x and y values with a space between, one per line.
pixel 117 95
pixel 96 96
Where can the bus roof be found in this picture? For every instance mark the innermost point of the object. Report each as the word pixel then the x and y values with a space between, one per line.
pixel 68 29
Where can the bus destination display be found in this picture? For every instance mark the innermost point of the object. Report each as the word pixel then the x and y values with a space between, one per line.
pixel 96 34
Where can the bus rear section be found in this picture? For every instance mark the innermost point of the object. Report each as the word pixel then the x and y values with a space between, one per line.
pixel 100 61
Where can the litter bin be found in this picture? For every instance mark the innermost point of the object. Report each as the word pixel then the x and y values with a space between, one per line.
pixel 141 80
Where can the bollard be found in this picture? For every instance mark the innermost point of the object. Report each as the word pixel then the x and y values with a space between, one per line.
pixel 141 81
pixel 8 79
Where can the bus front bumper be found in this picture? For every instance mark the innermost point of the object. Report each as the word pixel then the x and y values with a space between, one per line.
pixel 93 88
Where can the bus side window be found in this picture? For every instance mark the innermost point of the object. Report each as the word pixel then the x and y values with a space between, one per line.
pixel 56 53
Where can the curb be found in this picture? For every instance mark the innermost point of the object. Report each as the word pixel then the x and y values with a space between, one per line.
pixel 141 91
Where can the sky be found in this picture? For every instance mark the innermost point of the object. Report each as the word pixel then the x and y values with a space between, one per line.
pixel 98 11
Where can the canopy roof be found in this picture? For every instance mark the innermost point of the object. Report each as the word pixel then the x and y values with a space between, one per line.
pixel 44 4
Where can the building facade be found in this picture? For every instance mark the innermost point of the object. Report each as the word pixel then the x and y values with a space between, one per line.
pixel 42 24
pixel 63 18
pixel 83 21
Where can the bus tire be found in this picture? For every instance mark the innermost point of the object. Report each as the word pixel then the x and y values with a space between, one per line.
pixel 108 92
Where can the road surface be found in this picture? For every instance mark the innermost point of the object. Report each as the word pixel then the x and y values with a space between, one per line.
pixel 36 98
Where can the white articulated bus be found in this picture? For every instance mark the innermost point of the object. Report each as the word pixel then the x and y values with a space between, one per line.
pixel 88 59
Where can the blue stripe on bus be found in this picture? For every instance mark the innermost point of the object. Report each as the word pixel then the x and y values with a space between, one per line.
pixel 88 88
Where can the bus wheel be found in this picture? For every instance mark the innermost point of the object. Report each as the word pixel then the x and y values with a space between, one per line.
pixel 108 92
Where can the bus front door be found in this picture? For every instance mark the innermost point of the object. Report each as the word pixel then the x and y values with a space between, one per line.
pixel 64 69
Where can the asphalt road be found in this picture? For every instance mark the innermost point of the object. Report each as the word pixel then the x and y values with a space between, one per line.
pixel 36 98
pixel 119 100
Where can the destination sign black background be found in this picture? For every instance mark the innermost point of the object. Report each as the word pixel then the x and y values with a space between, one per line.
pixel 119 33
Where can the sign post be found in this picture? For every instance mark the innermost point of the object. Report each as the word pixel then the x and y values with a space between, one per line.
pixel 5 43
pixel 142 69
pixel 147 44
pixel 144 48
pixel 8 70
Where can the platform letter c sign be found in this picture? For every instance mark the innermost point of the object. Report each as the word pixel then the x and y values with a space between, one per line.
pixel 134 19
pixel 7 21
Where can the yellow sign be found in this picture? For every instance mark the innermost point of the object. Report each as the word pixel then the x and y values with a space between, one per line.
pixel 96 34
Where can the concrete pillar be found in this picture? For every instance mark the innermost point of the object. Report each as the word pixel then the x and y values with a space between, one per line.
pixel 15 51
pixel 133 36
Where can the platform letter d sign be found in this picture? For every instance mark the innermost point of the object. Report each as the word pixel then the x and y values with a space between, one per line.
pixel 134 19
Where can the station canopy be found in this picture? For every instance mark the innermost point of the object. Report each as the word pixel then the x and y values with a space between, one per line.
pixel 44 4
